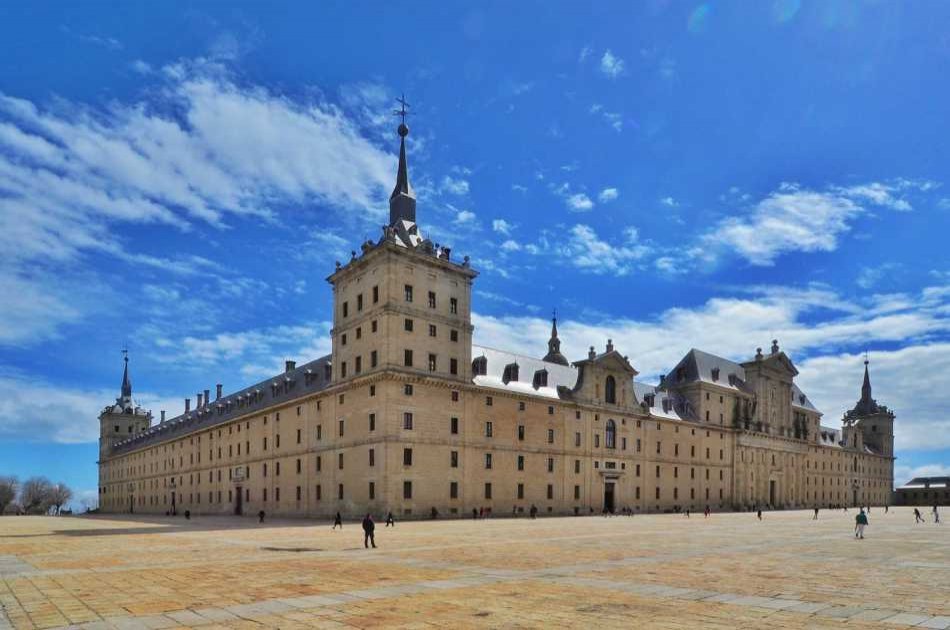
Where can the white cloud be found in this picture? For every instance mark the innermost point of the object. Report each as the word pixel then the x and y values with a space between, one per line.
pixel 72 174
pixel 611 65
pixel 585 250
pixel 510 246
pixel 584 54
pixel 869 276
pixel 501 226
pixel 614 119
pixel 608 194
pixel 141 67
pixel 579 202
pixel 454 186
pixel 798 219
pixel 669 201
pixel 464 217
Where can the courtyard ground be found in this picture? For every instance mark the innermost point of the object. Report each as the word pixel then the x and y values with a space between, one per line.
pixel 654 571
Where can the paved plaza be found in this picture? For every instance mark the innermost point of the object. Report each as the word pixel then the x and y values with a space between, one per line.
pixel 657 571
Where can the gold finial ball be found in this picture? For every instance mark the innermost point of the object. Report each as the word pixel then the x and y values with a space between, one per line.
pixel 403 130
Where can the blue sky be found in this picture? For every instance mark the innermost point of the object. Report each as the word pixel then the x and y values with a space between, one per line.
pixel 668 175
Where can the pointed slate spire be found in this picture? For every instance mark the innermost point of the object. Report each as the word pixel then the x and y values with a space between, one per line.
pixel 126 383
pixel 866 387
pixel 867 405
pixel 554 345
pixel 402 203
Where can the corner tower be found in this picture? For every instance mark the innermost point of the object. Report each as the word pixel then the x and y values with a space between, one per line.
pixel 874 422
pixel 402 303
pixel 122 419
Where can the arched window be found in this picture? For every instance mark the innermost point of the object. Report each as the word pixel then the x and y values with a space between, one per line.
pixel 611 434
pixel 610 391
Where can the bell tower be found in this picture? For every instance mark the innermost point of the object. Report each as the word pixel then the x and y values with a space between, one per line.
pixel 874 422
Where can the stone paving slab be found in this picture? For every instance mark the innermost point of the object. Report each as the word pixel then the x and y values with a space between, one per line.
pixel 663 571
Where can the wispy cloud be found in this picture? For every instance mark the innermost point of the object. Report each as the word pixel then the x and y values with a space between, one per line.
pixel 611 65
pixel 454 186
pixel 501 226
pixel 608 194
pixel 579 202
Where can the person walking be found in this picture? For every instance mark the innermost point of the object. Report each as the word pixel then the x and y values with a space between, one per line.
pixel 390 521
pixel 936 515
pixel 860 522
pixel 369 529
pixel 706 512
pixel 885 508
pixel 759 514
pixel 260 516
pixel 917 517
pixel 337 521
pixel 474 514
pixel 534 511
pixel 816 514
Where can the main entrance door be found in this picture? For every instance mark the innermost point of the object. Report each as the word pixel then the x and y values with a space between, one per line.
pixel 772 492
pixel 609 497
pixel 239 503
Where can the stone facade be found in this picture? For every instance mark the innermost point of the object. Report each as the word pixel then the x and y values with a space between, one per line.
pixel 408 415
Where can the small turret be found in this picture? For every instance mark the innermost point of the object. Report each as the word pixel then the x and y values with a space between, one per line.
pixel 554 345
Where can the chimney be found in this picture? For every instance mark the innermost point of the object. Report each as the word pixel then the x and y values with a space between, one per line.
pixel 590 353
pixel 610 345
pixel 198 400
pixel 207 397
pixel 218 392
pixel 187 405
pixel 163 415
pixel 290 366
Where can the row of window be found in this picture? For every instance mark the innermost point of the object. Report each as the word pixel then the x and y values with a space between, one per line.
pixel 408 294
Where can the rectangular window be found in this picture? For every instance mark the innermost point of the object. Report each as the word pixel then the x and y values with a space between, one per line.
pixel 550 436
pixel 454 426
pixel 346 309
pixel 319 492
pixel 520 462
pixel 319 432
pixel 432 330
pixel 406 489
pixel 373 358
pixel 488 429
pixel 550 464
pixel 431 299
pixel 658 448
pixel 638 470
pixel 453 366
pixel 408 290
pixel 407 420
pixel 577 439
pixel 455 396
pixel 638 445
pixel 298 493
pixel 407 325
pixel 597 440
pixel 341 428
pixel 453 305
pixel 340 461
pixel 407 457
pixel 431 362
pixel 488 461
pixel 319 463
pixel 372 457
pixel 372 422
pixel 407 358
pixel 343 370
pixel 454 335
pixel 488 401
pixel 372 490
pixel 487 490
pixel 454 459
pixel 339 492
pixel 299 436
pixel 577 492
pixel 359 302
pixel 375 294
pixel 359 365
pixel 374 326
pixel 577 466
pixel 298 466
pixel 550 491
pixel 623 444
pixel 407 389
pixel 453 490
pixel 521 432
pixel 520 490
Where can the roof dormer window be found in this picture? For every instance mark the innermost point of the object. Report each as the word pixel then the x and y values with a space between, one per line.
pixel 511 373
pixel 540 378
pixel 480 366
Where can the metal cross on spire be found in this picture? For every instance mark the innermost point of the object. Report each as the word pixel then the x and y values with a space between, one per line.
pixel 402 111
pixel 125 352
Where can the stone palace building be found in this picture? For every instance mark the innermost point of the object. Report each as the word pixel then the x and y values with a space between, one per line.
pixel 408 415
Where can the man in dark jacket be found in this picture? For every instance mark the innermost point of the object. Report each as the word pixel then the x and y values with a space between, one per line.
pixel 860 522
pixel 369 528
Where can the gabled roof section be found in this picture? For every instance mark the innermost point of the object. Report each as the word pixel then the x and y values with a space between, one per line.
pixel 611 359
pixel 700 366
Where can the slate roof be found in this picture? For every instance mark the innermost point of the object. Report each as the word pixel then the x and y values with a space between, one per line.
pixel 496 360
pixel 918 483
pixel 284 387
